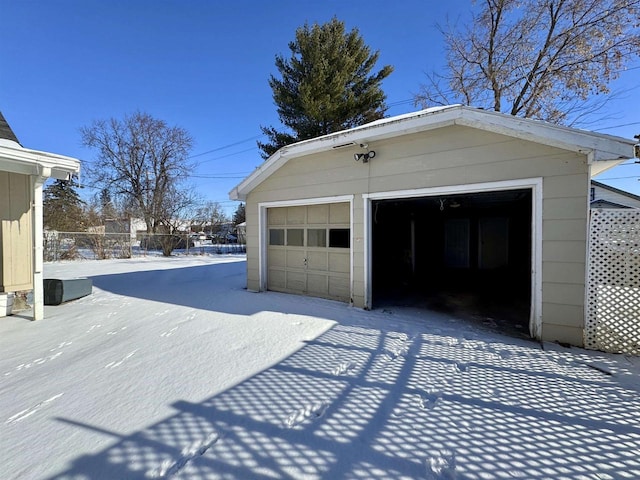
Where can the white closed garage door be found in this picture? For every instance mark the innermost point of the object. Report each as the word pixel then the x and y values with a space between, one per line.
pixel 308 250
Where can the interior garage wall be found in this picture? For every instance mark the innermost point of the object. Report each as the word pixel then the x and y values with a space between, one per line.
pixel 443 157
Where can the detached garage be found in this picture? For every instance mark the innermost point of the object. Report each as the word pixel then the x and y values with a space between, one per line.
pixel 450 205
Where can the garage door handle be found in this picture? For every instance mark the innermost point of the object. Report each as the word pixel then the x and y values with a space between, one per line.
pixel 305 262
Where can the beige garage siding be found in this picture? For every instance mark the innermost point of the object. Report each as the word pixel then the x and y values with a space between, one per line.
pixel 308 250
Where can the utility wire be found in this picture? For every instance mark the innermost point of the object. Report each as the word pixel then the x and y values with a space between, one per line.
pixel 617 126
pixel 239 142
pixel 228 155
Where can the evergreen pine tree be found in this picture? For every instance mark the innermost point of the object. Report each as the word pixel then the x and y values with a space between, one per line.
pixel 326 85
pixel 107 210
pixel 239 215
pixel 62 207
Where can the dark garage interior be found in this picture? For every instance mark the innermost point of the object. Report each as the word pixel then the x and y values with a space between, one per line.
pixel 466 254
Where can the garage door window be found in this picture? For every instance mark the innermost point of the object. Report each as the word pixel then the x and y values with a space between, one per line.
pixel 317 237
pixel 276 236
pixel 339 237
pixel 295 237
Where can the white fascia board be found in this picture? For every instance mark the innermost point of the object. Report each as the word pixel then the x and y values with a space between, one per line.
pixel 598 146
pixel 34 162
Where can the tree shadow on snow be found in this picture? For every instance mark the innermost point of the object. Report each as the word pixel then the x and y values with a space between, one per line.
pixel 406 402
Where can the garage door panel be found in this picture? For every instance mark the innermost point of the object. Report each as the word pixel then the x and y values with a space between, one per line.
pixel 339 288
pixel 295 259
pixel 339 262
pixel 277 258
pixel 277 216
pixel 317 284
pixel 317 260
pixel 318 214
pixel 339 213
pixel 296 281
pixel 296 215
pixel 277 279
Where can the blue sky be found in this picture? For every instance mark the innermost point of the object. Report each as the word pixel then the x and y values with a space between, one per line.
pixel 204 66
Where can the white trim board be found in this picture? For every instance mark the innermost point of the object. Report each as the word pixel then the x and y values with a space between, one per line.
pixel 535 184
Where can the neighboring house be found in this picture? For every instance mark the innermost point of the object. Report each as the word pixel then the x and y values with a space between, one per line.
pixel 241 231
pixel 451 202
pixel 605 196
pixel 22 174
pixel 130 225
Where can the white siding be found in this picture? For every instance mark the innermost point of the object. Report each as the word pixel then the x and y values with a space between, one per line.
pixel 606 195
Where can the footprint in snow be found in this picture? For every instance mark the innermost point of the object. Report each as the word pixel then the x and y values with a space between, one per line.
pixel 61 345
pixel 37 361
pixel 31 410
pixel 344 368
pixel 313 411
pixel 169 332
pixel 93 327
pixel 113 332
pixel 120 362
pixel 430 400
pixel 441 466
pixel 460 367
pixel 171 467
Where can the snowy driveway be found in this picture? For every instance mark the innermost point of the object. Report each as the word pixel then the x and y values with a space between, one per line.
pixel 172 370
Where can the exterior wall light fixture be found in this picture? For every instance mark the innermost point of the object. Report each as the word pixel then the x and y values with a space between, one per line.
pixel 365 157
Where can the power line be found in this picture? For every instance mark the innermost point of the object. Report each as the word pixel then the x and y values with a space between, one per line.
pixel 401 102
pixel 239 142
pixel 617 126
pixel 228 155
pixel 213 176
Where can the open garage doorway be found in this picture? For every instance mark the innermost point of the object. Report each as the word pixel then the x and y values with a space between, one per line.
pixel 468 254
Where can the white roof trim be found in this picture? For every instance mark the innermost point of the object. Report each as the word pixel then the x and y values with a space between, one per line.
pixel 597 147
pixel 16 159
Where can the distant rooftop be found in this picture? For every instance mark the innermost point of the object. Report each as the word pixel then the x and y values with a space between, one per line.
pixel 5 131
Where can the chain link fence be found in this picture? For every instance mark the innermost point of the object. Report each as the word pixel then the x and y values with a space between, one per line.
pixel 99 246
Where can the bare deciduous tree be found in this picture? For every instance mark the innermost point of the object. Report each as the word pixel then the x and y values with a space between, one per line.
pixel 209 217
pixel 551 60
pixel 142 162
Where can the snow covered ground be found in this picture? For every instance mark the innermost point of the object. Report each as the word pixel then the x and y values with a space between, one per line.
pixel 170 369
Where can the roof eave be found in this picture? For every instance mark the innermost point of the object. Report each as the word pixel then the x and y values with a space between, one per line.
pixel 34 162
pixel 596 147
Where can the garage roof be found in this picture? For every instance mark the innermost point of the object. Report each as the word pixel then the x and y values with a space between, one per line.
pixel 605 150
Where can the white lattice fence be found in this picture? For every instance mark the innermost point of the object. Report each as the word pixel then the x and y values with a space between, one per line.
pixel 613 301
